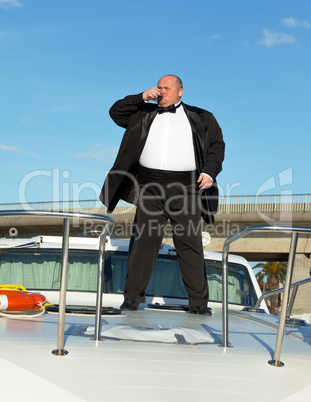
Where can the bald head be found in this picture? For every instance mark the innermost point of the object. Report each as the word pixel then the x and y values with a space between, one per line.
pixel 177 81
pixel 171 89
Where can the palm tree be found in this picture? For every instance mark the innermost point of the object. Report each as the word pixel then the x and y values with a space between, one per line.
pixel 274 272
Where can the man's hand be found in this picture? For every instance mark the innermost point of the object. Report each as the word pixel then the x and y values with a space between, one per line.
pixel 151 94
pixel 205 181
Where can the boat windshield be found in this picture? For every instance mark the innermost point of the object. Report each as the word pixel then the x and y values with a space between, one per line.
pixel 40 269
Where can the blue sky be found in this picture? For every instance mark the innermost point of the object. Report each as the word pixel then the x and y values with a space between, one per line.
pixel 63 63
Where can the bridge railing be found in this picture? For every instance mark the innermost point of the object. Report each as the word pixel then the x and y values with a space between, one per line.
pixel 265 203
pixel 227 205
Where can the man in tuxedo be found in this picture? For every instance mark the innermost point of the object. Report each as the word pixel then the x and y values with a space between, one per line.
pixel 167 165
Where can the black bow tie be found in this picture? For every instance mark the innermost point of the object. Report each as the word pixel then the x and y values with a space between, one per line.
pixel 169 109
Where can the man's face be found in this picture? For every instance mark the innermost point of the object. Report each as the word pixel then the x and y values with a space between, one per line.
pixel 169 92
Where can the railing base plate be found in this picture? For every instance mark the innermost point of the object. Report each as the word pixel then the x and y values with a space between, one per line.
pixel 60 352
pixel 276 363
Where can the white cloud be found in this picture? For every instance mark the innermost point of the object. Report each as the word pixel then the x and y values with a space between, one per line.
pixel 102 154
pixel 202 38
pixel 215 36
pixel 292 22
pixel 270 39
pixel 10 3
pixel 15 150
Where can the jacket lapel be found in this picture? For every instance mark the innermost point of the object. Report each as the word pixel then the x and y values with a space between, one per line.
pixel 147 119
pixel 196 121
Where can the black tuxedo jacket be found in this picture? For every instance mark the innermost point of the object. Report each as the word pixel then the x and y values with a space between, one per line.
pixel 136 117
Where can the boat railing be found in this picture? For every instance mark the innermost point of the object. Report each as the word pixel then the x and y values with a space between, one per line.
pixel 293 286
pixel 67 219
pixel 294 231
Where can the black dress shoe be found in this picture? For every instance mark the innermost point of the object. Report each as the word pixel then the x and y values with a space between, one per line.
pixel 202 310
pixel 129 305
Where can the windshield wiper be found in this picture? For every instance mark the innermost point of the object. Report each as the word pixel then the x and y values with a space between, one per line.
pixel 32 243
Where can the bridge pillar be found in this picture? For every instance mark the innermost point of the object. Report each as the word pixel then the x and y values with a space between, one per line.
pixel 302 271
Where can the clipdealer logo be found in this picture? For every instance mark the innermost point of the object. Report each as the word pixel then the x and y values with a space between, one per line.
pixel 280 205
pixel 273 209
pixel 60 188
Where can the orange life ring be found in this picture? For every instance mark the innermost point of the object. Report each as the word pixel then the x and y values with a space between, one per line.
pixel 14 300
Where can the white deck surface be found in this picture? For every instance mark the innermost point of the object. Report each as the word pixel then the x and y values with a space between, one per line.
pixel 159 366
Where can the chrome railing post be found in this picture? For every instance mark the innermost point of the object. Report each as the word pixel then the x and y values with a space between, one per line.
pixel 225 329
pixel 225 301
pixel 100 282
pixel 290 265
pixel 60 351
pixel 66 216
pixel 291 302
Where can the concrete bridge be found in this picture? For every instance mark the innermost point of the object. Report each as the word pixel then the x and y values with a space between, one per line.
pixel 234 214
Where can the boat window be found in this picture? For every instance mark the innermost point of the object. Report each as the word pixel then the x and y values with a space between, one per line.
pixel 166 280
pixel 41 270
pixel 240 286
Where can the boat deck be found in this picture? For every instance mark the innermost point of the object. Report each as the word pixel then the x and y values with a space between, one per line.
pixel 152 356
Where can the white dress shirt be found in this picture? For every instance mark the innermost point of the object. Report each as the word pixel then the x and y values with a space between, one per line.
pixel 169 145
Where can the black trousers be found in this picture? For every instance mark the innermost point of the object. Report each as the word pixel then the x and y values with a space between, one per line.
pixel 157 204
